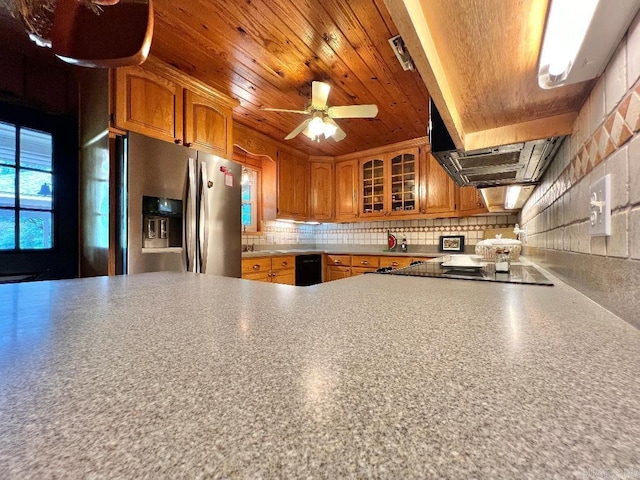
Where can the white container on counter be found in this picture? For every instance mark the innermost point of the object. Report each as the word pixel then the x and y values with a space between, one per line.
pixel 488 248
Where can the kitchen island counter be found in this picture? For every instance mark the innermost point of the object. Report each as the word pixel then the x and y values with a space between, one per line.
pixel 184 375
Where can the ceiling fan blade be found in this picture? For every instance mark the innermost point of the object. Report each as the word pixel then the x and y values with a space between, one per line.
pixel 304 112
pixel 319 95
pixel 339 133
pixel 353 111
pixel 298 129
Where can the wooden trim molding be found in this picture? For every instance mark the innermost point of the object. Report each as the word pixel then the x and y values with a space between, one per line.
pixel 521 132
pixel 414 142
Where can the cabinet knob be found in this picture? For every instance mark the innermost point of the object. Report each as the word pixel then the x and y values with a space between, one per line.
pixel 394 264
pixel 177 141
pixel 187 144
pixel 256 267
pixel 284 264
pixel 423 211
pixel 364 262
pixel 338 262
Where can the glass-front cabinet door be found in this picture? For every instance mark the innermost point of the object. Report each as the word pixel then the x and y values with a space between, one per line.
pixel 403 183
pixel 373 191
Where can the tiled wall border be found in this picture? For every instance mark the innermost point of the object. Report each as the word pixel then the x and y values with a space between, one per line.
pixel 618 128
pixel 418 232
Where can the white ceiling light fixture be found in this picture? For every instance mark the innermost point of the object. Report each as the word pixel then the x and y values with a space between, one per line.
pixel 511 198
pixel 580 37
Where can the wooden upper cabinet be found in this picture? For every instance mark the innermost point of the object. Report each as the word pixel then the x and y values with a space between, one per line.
pixel 373 187
pixel 403 182
pixel 292 187
pixel 470 201
pixel 148 104
pixel 207 125
pixel 389 184
pixel 346 191
pixel 159 101
pixel 321 195
pixel 437 189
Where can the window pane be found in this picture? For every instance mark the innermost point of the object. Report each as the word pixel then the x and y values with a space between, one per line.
pixel 246 214
pixel 7 144
pixel 7 229
pixel 35 190
pixel 7 186
pixel 36 149
pixel 246 193
pixel 35 230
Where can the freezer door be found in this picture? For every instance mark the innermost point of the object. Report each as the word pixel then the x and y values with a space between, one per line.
pixel 220 224
pixel 155 169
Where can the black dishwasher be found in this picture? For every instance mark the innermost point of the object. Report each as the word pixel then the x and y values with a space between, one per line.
pixel 308 270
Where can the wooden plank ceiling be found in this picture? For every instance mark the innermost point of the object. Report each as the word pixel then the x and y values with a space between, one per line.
pixel 267 53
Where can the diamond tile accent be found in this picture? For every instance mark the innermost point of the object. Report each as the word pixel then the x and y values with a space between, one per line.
pixel 632 117
pixel 619 130
pixel 605 145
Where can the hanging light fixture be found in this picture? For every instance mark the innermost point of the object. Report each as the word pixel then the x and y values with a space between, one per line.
pixel 247 176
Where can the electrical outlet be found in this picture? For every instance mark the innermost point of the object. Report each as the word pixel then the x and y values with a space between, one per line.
pixel 600 207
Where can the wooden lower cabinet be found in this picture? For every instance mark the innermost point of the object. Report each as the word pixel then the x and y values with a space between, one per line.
pixel 338 267
pixel 337 273
pixel 283 270
pixel 278 269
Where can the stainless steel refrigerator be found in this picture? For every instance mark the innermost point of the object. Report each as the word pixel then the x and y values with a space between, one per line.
pixel 182 209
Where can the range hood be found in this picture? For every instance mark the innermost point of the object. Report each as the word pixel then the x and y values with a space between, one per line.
pixel 518 163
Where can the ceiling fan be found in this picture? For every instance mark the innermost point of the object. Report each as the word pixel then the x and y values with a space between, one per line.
pixel 321 121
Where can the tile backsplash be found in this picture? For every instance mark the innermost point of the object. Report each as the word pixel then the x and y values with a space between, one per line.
pixel 605 140
pixel 418 232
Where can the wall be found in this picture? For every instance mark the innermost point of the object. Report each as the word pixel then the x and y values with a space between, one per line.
pixel 422 235
pixel 605 140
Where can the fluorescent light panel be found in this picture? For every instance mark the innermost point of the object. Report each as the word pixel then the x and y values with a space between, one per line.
pixel 580 37
pixel 511 198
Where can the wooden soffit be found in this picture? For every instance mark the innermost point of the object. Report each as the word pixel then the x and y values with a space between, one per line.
pixel 479 61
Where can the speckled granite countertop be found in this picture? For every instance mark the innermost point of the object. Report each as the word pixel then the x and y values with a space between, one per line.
pixel 172 375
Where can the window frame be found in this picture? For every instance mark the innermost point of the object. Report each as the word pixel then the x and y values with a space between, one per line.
pixel 254 163
pixel 17 207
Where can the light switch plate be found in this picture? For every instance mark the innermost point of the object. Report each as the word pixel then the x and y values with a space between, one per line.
pixel 600 207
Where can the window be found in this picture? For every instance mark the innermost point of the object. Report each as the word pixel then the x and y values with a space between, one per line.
pixel 250 207
pixel 26 188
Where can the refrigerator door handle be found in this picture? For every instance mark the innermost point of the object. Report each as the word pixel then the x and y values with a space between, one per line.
pixel 204 215
pixel 190 223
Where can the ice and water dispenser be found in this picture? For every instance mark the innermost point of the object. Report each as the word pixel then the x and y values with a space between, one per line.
pixel 161 222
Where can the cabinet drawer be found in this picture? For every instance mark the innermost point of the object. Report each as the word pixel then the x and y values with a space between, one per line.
pixel 339 260
pixel 259 276
pixel 337 273
pixel 360 270
pixel 368 261
pixel 395 262
pixel 285 276
pixel 261 264
pixel 280 263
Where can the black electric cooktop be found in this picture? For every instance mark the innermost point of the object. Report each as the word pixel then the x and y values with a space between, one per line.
pixel 524 274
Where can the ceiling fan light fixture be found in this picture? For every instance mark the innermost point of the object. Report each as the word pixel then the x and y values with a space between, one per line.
pixel 329 129
pixel 316 126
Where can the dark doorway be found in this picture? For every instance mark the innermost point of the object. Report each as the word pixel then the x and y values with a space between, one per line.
pixel 39 169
